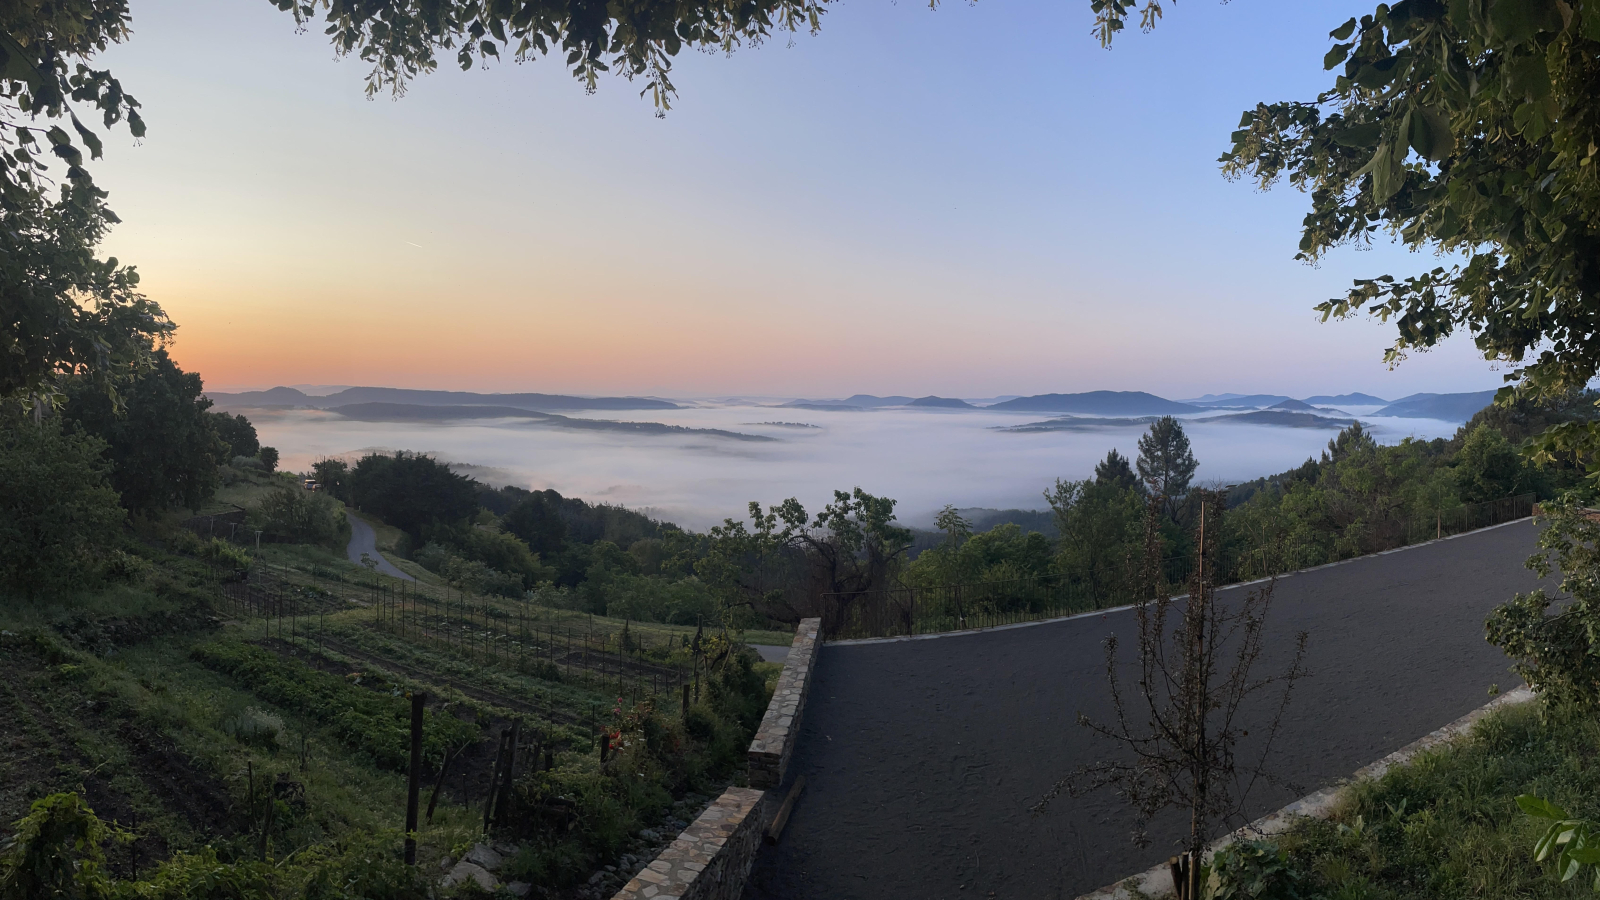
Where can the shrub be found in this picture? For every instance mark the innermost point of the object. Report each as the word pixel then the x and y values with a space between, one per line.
pixel 247 462
pixel 254 727
pixel 55 851
pixel 58 513
pixel 371 868
pixel 1555 652
pixel 1255 870
pixel 202 876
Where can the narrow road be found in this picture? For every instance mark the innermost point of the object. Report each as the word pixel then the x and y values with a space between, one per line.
pixel 924 756
pixel 364 542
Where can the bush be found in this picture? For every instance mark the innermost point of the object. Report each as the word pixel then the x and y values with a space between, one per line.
pixel 1556 652
pixel 1255 870
pixel 368 869
pixel 302 517
pixel 247 462
pixel 202 876
pixel 58 513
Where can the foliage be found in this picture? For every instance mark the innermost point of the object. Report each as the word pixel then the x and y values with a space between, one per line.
pixel 411 491
pixel 374 718
pixel 1447 824
pixel 237 432
pixel 782 565
pixel 58 515
pixel 55 851
pixel 369 867
pixel 1554 650
pixel 580 813
pixel 204 876
pixel 332 477
pixel 1488 467
pixel 536 519
pixel 304 517
pixel 269 458
pixel 1255 870
pixel 469 574
pixel 403 38
pixel 1572 843
pixel 1116 470
pixel 1166 463
pixel 64 311
pixel 162 443
pixel 1099 526
pixel 497 550
pixel 1468 128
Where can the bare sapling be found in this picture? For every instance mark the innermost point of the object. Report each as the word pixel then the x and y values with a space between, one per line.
pixel 1179 728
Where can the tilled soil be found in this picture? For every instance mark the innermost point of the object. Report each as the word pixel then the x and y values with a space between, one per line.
pixel 923 757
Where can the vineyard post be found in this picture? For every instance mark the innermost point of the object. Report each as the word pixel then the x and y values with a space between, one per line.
pixel 414 777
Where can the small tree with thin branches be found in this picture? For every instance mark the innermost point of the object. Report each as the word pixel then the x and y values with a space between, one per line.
pixel 1180 728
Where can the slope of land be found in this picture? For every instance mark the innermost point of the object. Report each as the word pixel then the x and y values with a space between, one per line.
pixel 1449 407
pixel 283 396
pixel 1103 403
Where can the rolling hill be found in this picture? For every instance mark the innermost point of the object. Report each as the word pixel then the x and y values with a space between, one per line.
pixel 283 396
pixel 1099 403
pixel 1449 407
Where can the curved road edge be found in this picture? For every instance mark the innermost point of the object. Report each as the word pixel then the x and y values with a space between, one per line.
pixel 364 542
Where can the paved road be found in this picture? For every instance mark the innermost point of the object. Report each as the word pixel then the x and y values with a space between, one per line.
pixel 363 540
pixel 923 756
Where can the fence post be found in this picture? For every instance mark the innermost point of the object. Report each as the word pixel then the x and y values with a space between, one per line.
pixel 414 778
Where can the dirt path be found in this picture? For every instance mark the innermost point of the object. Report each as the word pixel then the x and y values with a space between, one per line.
pixel 924 756
pixel 364 542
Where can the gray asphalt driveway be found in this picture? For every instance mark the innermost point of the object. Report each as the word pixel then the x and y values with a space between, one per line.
pixel 363 540
pixel 924 756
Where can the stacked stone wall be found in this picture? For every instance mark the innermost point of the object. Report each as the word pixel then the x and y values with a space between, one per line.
pixel 780 727
pixel 711 859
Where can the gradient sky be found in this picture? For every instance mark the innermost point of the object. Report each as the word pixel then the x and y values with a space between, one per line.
pixel 971 201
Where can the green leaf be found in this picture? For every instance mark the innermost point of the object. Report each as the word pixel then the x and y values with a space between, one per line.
pixel 1358 136
pixel 1547 843
pixel 1430 134
pixel 1336 55
pixel 1540 807
pixel 18 63
pixel 1514 21
pixel 1343 31
pixel 1588 854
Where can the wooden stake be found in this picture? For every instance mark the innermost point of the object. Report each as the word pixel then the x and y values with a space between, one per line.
pixel 775 830
pixel 414 777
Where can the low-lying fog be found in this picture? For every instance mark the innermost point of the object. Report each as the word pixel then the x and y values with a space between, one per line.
pixel 923 458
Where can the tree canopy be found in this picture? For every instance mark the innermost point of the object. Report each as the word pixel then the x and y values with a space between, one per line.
pixel 1470 128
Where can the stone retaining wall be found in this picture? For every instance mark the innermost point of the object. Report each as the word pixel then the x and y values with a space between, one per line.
pixel 711 859
pixel 780 727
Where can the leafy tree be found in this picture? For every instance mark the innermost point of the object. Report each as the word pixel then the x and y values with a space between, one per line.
pixel 162 443
pixel 411 491
pixel 237 432
pixel 537 520
pixel 1115 470
pixel 782 565
pixel 303 517
pixel 58 515
pixel 63 310
pixel 1099 526
pixel 269 458
pixel 1166 464
pixel 332 477
pixel 1488 467
pixel 1467 128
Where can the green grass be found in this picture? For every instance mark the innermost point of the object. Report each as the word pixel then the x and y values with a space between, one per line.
pixel 1447 824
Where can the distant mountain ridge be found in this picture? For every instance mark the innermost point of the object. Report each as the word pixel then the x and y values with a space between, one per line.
pixel 1356 399
pixel 285 396
pixel 1257 400
pixel 941 403
pixel 1102 403
pixel 1449 407
pixel 378 411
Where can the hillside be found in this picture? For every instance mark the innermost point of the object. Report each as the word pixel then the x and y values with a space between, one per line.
pixel 1099 403
pixel 1449 407
pixel 284 396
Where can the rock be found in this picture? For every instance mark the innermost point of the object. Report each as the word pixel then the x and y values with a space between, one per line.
pixel 464 870
pixel 505 849
pixel 596 877
pixel 484 855
pixel 518 888
pixel 447 862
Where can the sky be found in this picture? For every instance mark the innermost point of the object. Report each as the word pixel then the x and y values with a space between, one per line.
pixel 971 201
